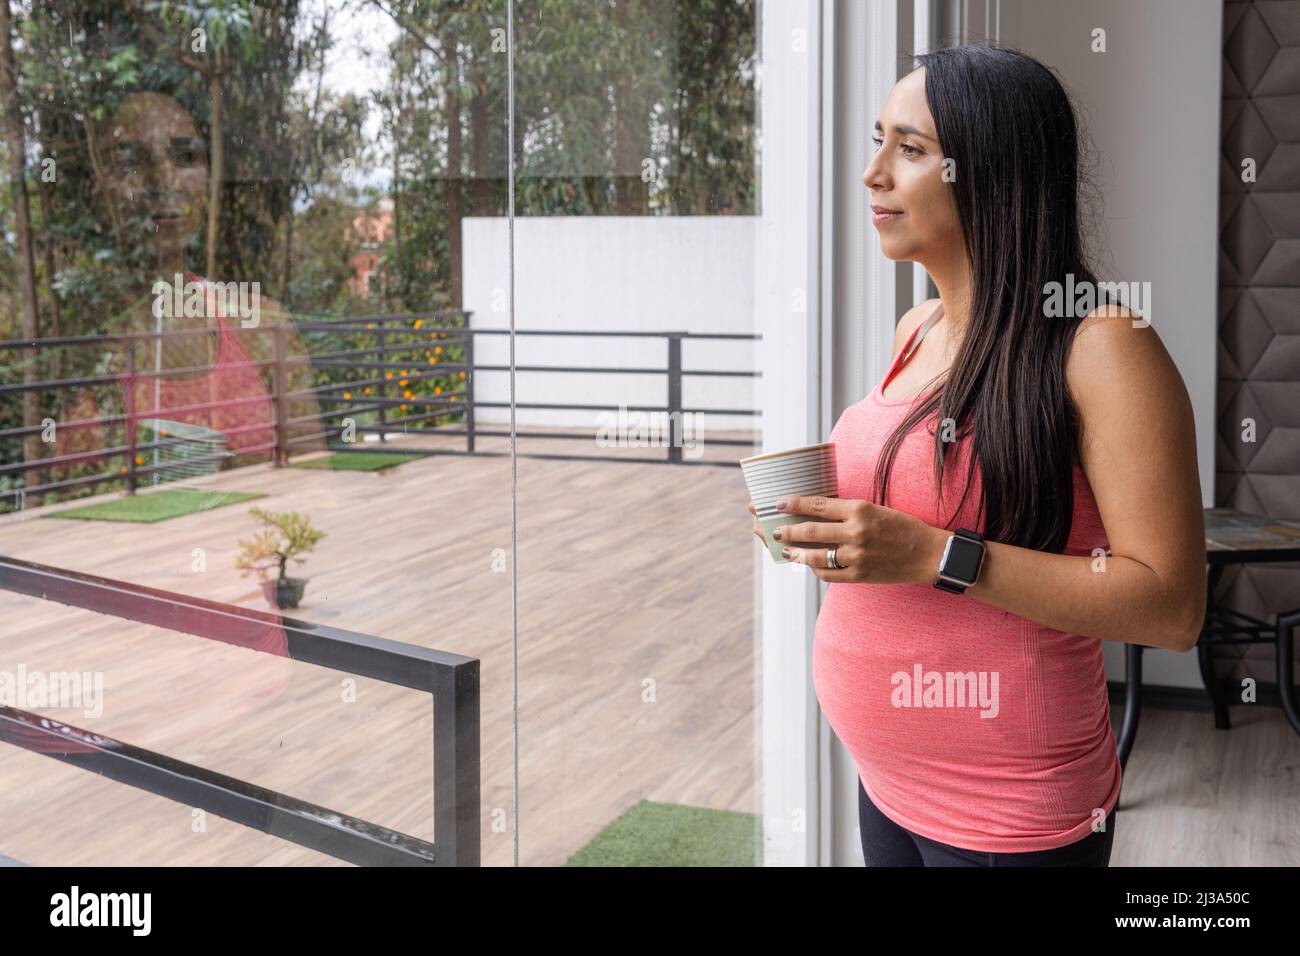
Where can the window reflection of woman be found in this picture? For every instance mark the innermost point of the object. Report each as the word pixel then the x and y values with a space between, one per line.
pixel 155 181
pixel 156 178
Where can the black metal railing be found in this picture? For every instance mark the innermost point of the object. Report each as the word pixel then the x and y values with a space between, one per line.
pixel 450 679
pixel 674 374
pixel 334 414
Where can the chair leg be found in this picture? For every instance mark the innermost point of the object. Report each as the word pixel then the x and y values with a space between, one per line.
pixel 1205 650
pixel 1286 624
pixel 1132 701
pixel 1205 655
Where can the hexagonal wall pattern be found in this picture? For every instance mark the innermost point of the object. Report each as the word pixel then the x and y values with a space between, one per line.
pixel 1258 428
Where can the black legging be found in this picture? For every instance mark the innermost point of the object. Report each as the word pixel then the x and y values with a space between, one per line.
pixel 885 843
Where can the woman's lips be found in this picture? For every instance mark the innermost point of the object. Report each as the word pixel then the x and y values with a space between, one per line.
pixel 881 214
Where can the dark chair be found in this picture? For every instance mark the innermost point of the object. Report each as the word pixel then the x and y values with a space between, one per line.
pixel 1286 625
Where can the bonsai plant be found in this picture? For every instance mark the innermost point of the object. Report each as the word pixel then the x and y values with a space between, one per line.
pixel 283 538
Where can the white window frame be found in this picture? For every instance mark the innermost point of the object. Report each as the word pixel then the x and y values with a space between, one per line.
pixel 815 248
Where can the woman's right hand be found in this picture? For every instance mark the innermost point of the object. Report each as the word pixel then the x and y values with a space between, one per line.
pixel 758 528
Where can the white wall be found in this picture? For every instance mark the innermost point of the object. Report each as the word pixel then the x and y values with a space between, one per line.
pixel 1151 104
pixel 628 273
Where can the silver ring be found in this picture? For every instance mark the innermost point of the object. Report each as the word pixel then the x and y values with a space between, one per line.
pixel 830 558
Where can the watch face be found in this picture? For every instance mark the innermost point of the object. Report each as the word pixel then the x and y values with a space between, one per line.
pixel 964 558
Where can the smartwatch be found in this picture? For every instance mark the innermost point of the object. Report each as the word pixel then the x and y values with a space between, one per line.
pixel 962 559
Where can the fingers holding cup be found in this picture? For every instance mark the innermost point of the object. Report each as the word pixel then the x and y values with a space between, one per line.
pixel 818 558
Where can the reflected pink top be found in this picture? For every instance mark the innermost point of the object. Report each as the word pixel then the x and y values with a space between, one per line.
pixel 1031 774
pixel 234 391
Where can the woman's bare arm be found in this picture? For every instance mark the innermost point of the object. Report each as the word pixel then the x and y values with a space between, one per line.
pixel 1138 451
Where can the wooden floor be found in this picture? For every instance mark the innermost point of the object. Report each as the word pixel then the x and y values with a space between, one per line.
pixel 1197 796
pixel 638 657
pixel 639 670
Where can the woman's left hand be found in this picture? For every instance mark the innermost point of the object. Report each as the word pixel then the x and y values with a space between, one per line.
pixel 873 544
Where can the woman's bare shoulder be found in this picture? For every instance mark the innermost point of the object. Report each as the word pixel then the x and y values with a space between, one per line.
pixel 1112 339
pixel 1118 367
pixel 911 319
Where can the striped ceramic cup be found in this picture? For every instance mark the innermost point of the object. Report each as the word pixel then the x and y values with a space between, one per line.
pixel 800 471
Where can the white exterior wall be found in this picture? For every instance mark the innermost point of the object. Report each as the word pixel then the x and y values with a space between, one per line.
pixel 612 273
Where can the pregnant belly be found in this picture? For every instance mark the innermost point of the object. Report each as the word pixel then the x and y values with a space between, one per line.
pixel 963 719
pixel 907 684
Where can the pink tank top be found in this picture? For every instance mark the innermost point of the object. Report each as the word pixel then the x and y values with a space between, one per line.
pixel 231 398
pixel 967 724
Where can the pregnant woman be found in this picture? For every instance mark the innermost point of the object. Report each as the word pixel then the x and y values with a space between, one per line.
pixel 1020 486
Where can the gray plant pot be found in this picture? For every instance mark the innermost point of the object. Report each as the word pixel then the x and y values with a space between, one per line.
pixel 284 592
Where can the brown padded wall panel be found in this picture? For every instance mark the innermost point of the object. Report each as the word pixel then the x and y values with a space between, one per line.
pixel 1259 303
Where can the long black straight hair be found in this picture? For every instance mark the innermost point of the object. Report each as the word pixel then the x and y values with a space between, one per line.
pixel 1008 127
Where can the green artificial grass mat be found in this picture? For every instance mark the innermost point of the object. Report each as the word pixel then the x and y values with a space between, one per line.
pixel 670 834
pixel 357 461
pixel 152 506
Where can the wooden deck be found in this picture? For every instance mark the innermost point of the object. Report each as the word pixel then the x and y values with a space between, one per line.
pixel 638 654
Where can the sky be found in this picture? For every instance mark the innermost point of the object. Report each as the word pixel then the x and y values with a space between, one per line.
pixel 362 34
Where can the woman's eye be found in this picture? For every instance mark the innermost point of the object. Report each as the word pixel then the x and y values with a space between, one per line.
pixel 908 149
